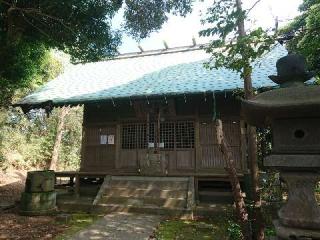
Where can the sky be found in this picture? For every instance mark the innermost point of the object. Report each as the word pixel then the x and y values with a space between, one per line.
pixel 178 31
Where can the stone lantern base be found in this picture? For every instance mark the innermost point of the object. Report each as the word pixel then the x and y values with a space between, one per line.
pixel 285 233
pixel 299 218
pixel 301 210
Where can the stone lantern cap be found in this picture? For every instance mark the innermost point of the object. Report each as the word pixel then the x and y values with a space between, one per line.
pixel 291 71
pixel 293 99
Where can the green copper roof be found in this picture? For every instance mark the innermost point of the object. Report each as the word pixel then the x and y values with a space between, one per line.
pixel 165 74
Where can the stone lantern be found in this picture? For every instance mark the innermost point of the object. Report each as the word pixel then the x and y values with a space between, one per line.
pixel 293 113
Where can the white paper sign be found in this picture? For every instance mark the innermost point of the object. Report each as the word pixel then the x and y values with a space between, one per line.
pixel 110 139
pixel 103 139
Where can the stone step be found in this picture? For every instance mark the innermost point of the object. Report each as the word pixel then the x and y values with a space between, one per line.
pixel 137 192
pixel 146 209
pixel 74 207
pixel 160 185
pixel 134 201
pixel 148 178
pixel 209 210
pixel 200 210
pixel 67 203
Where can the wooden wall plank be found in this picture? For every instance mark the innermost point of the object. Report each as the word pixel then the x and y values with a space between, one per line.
pixel 96 155
pixel 185 159
pixel 128 159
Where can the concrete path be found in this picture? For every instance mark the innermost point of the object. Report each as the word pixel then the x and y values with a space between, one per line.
pixel 120 226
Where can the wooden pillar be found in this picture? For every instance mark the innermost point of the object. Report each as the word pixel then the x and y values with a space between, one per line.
pixel 243 146
pixel 197 145
pixel 77 185
pixel 118 146
pixel 157 147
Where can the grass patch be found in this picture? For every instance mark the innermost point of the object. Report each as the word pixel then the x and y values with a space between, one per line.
pixel 78 222
pixel 215 228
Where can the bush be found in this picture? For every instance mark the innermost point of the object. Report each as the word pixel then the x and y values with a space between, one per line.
pixel 234 231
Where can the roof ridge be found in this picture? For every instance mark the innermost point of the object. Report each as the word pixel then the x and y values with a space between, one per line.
pixel 159 51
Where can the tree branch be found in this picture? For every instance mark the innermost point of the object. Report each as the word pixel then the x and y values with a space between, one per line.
pixel 253 6
pixel 234 180
pixel 31 11
pixel 6 3
pixel 36 27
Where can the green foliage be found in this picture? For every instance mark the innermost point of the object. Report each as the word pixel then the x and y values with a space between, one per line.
pixel 230 50
pixel 26 141
pixel 234 231
pixel 224 17
pixel 23 68
pixel 270 232
pixel 80 28
pixel 19 64
pixel 305 30
pixel 271 190
pixel 69 155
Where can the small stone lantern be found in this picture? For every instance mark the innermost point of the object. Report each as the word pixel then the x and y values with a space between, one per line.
pixel 293 112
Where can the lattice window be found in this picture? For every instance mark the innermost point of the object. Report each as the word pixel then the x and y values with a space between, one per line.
pixel 141 134
pixel 184 135
pixel 134 136
pixel 151 136
pixel 179 135
pixel 167 134
pixel 128 136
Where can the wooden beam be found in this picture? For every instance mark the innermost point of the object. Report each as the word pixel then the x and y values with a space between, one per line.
pixel 140 48
pixel 165 45
pixel 194 42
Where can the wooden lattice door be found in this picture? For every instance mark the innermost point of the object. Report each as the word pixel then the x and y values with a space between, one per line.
pixel 210 156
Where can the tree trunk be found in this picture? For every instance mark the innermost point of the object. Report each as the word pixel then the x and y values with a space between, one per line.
pixel 235 183
pixel 252 142
pixel 57 142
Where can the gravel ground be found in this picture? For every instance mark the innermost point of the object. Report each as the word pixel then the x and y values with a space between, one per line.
pixel 16 227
